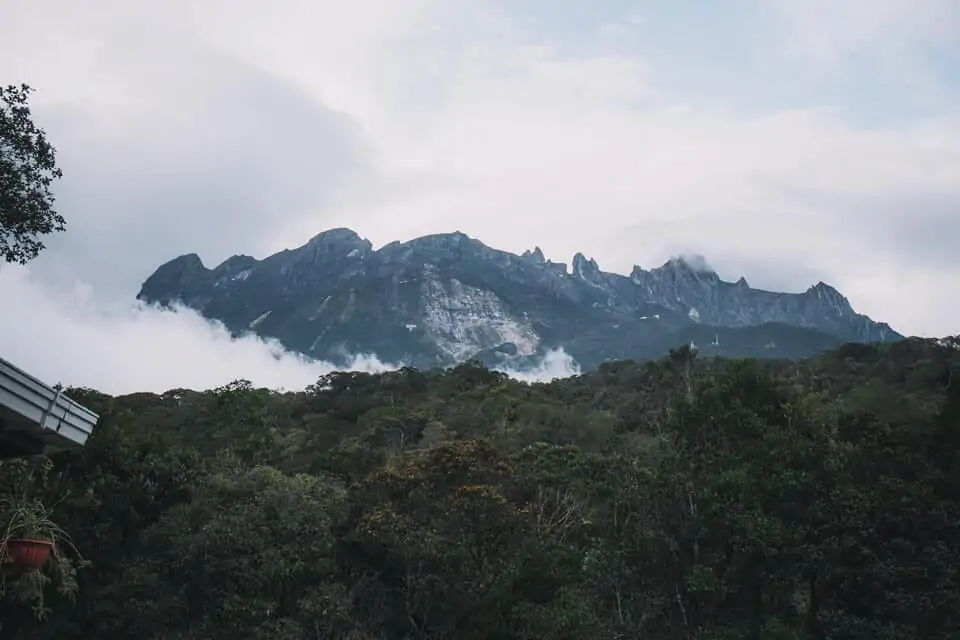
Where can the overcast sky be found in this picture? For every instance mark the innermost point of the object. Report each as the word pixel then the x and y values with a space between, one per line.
pixel 788 141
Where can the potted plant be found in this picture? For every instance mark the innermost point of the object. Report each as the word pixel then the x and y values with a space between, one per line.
pixel 31 537
pixel 34 550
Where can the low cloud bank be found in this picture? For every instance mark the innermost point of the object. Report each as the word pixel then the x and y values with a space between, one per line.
pixel 555 364
pixel 63 335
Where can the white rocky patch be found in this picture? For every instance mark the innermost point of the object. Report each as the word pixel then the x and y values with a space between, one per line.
pixel 350 307
pixel 693 314
pixel 320 308
pixel 353 253
pixel 463 320
pixel 577 269
pixel 316 341
pixel 259 319
pixel 240 276
pixel 952 342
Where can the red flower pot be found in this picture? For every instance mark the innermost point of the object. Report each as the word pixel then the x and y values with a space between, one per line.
pixel 29 554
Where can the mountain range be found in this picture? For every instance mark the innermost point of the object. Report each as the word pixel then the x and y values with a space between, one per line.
pixel 445 298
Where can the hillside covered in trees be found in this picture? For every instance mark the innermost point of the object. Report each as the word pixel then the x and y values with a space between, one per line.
pixel 681 498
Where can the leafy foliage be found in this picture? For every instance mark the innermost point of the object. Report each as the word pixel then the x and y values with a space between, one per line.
pixel 28 168
pixel 683 498
pixel 25 516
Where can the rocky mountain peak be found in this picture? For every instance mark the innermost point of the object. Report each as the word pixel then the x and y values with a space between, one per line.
pixel 828 295
pixel 181 271
pixel 340 235
pixel 187 262
pixel 536 255
pixel 587 269
pixel 433 249
pixel 178 280
pixel 822 288
pixel 235 264
pixel 438 299
pixel 441 242
pixel 331 246
pixel 689 266
pixel 677 279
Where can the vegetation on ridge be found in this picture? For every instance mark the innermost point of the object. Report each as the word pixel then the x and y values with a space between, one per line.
pixel 670 499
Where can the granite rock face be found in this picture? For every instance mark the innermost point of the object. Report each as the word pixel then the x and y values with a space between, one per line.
pixel 444 298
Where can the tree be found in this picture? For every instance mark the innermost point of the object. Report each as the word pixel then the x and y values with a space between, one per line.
pixel 27 169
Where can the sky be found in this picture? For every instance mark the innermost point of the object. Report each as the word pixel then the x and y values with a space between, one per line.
pixel 788 141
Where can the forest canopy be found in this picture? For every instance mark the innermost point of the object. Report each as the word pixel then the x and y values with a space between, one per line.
pixel 672 499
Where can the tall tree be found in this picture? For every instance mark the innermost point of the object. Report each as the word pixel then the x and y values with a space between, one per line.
pixel 28 168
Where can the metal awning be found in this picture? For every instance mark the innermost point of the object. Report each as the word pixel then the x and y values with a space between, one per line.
pixel 36 418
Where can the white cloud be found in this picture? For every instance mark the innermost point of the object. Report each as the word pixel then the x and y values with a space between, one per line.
pixel 892 42
pixel 183 130
pixel 829 29
pixel 66 336
pixel 555 364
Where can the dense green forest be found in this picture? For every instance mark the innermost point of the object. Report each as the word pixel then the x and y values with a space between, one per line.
pixel 682 498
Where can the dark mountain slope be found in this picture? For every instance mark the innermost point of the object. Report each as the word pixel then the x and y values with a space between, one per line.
pixel 441 299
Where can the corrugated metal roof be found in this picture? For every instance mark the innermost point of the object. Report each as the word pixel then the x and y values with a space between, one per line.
pixel 41 412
